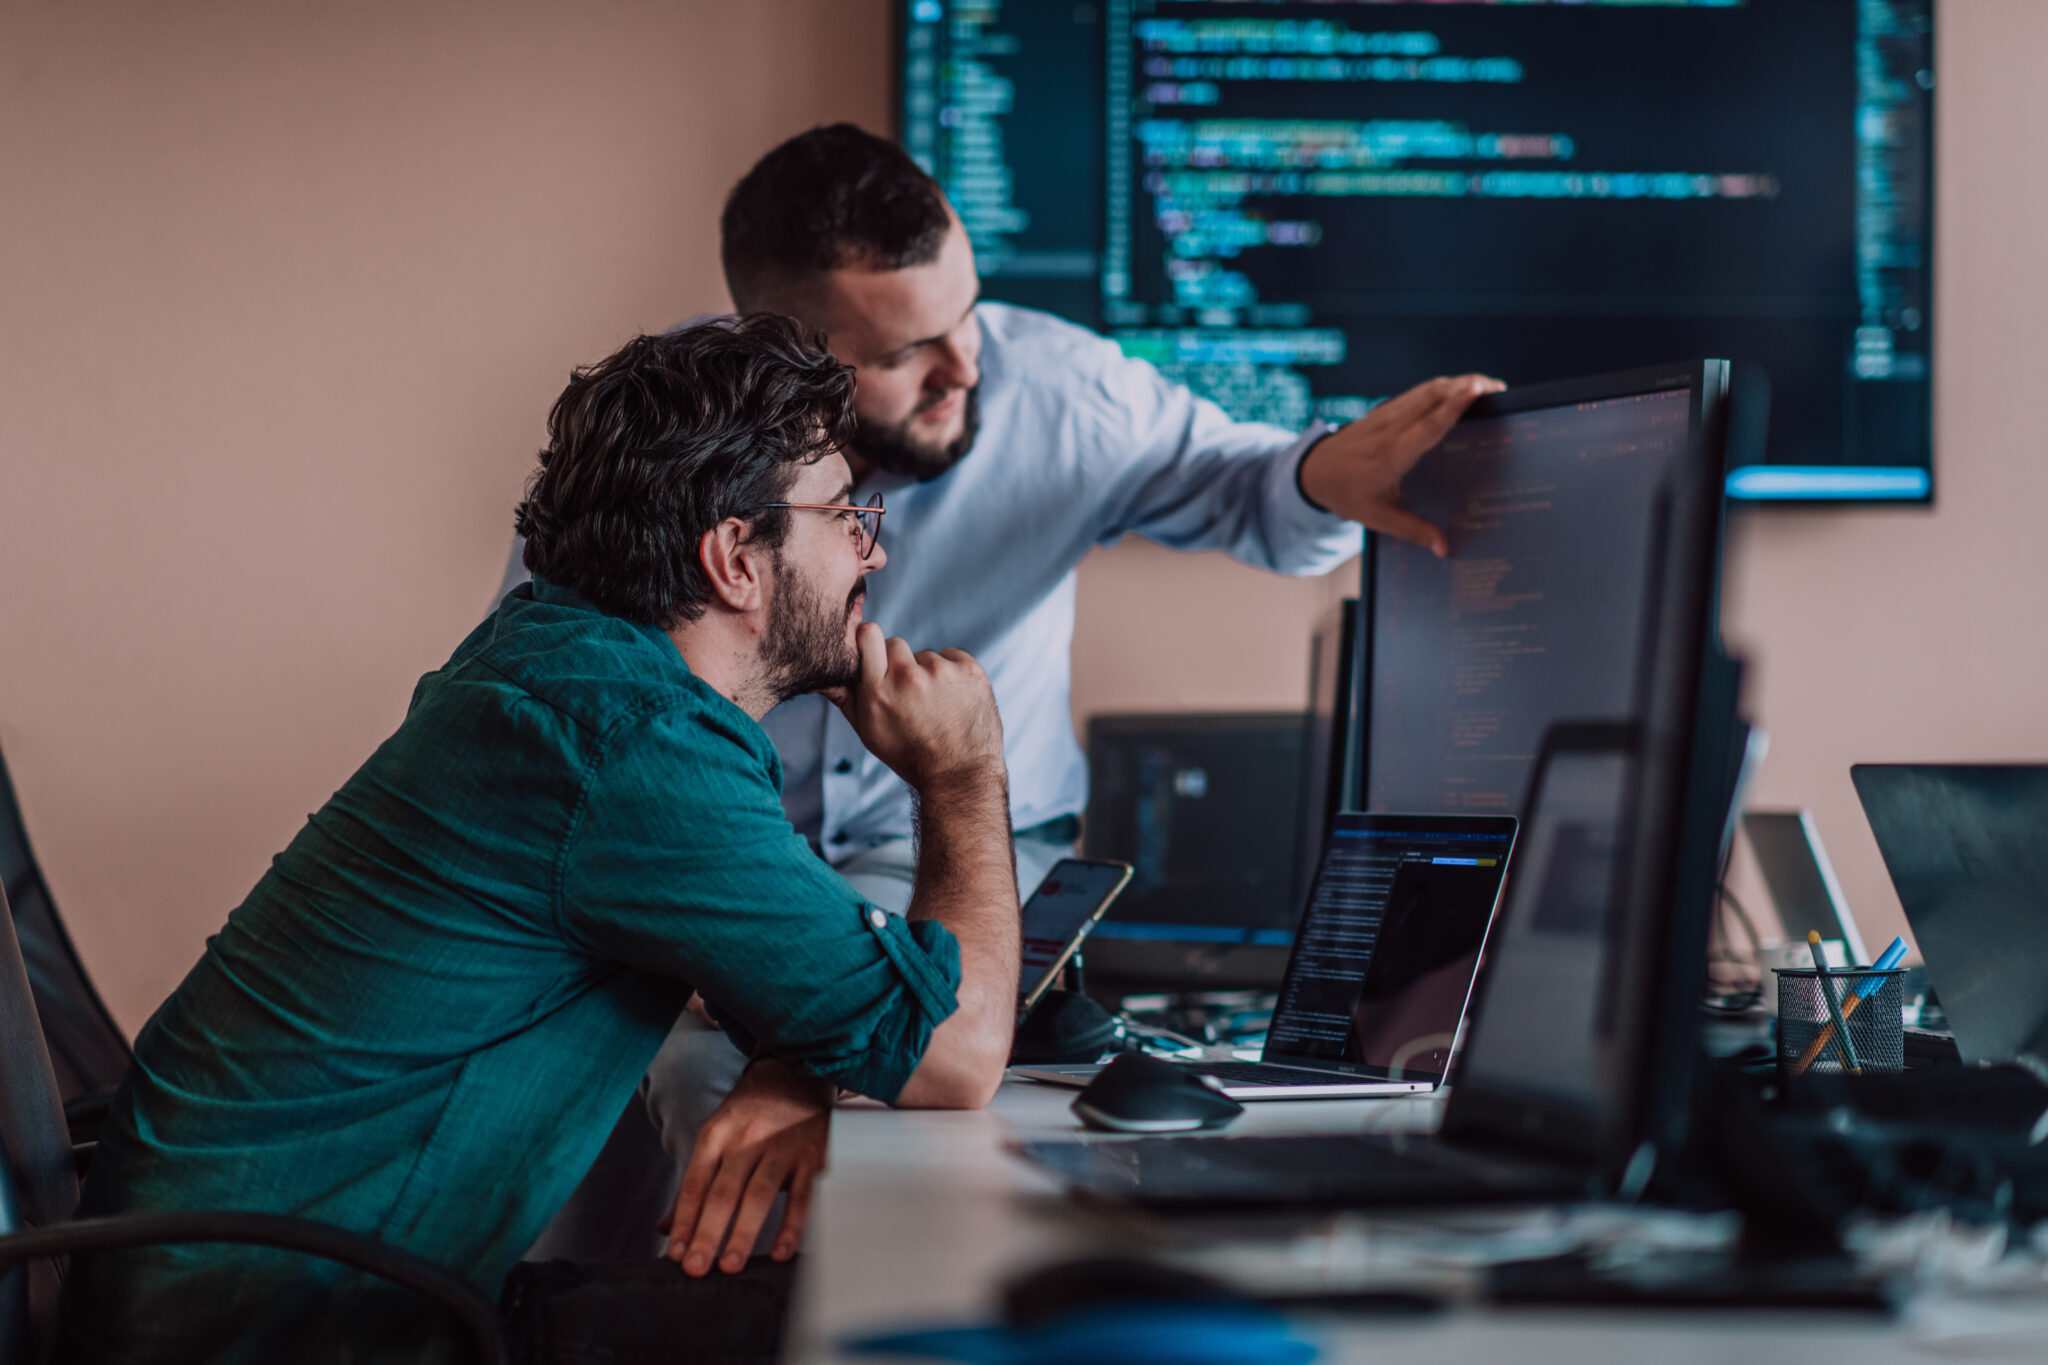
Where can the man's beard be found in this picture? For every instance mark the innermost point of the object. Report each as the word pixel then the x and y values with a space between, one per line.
pixel 892 449
pixel 806 649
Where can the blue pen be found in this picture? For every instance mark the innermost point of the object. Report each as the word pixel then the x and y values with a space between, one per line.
pixel 1863 991
pixel 1886 960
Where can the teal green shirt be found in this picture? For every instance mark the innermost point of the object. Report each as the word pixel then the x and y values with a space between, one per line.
pixel 425 1018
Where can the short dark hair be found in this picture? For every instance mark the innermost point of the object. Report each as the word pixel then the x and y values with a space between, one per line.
pixel 659 442
pixel 832 197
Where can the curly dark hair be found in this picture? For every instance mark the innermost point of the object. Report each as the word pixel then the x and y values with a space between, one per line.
pixel 659 442
pixel 831 197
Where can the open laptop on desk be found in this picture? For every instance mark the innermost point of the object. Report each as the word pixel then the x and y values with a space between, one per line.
pixel 1576 1072
pixel 1536 1039
pixel 1383 962
pixel 1965 847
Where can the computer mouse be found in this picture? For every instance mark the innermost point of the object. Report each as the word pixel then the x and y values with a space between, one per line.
pixel 1141 1094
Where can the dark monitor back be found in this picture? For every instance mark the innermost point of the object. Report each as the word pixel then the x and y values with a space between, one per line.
pixel 1963 845
pixel 1205 808
pixel 1330 745
pixel 1551 496
pixel 1602 948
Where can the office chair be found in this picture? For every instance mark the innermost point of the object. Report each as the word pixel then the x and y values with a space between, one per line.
pixel 87 1048
pixel 39 1171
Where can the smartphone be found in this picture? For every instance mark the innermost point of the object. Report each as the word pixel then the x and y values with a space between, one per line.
pixel 1059 915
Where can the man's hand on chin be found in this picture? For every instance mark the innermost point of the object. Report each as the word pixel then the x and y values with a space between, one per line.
pixel 768 1136
pixel 1356 470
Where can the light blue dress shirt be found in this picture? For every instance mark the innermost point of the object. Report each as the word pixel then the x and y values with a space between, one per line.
pixel 1079 447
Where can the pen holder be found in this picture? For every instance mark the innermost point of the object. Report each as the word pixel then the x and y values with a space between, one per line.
pixel 1807 1037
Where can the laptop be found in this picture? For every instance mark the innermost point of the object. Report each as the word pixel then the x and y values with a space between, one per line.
pixel 1575 1080
pixel 1537 1036
pixel 1965 849
pixel 1383 962
pixel 1801 880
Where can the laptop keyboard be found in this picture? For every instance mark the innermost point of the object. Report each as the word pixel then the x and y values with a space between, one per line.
pixel 1265 1073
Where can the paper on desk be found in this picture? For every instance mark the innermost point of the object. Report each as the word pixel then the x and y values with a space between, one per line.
pixel 1443 1252
pixel 1972 1292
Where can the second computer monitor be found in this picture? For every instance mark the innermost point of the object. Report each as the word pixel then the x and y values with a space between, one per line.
pixel 1553 497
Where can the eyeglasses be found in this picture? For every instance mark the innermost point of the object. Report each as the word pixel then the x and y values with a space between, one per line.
pixel 866 520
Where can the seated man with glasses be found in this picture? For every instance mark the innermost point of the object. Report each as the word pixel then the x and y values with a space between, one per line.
pixel 423 1021
pixel 1010 443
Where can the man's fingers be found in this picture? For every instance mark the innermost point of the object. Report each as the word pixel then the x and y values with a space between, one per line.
pixel 1425 428
pixel 762 1187
pixel 1465 390
pixel 902 660
pixel 1405 525
pixel 1404 405
pixel 1436 403
pixel 874 653
pixel 697 1178
pixel 716 1215
pixel 872 661
pixel 796 1215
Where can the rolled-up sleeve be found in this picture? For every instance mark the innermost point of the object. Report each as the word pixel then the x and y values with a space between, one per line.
pixel 683 863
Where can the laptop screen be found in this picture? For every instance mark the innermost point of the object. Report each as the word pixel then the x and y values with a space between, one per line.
pixel 1388 945
pixel 1963 845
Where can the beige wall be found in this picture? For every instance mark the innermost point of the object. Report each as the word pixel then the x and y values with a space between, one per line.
pixel 1921 635
pixel 285 290
pixel 288 288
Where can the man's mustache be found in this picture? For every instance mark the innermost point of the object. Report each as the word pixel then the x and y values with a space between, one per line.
pixel 928 404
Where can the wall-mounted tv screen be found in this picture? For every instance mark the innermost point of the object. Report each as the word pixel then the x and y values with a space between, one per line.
pixel 1299 209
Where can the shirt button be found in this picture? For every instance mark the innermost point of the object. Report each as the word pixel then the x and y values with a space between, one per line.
pixel 877 918
pixel 844 765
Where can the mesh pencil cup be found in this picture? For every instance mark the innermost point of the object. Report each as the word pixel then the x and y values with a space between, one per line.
pixel 1869 1001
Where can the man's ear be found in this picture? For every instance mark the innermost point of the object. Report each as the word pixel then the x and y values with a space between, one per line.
pixel 734 564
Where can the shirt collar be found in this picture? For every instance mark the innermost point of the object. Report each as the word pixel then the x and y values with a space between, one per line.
pixel 555 595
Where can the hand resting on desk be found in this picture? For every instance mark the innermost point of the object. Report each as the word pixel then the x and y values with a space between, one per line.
pixel 769 1136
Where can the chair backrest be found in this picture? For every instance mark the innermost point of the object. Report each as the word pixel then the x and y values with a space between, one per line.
pixel 38 1181
pixel 86 1047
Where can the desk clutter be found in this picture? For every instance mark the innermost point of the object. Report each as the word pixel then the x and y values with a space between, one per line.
pixel 1228 1294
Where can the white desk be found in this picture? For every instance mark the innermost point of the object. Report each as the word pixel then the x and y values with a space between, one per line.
pixel 922 1217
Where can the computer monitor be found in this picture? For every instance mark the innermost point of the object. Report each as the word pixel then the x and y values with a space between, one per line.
pixel 1554 497
pixel 1298 207
pixel 1205 807
pixel 1547 996
pixel 1586 1026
